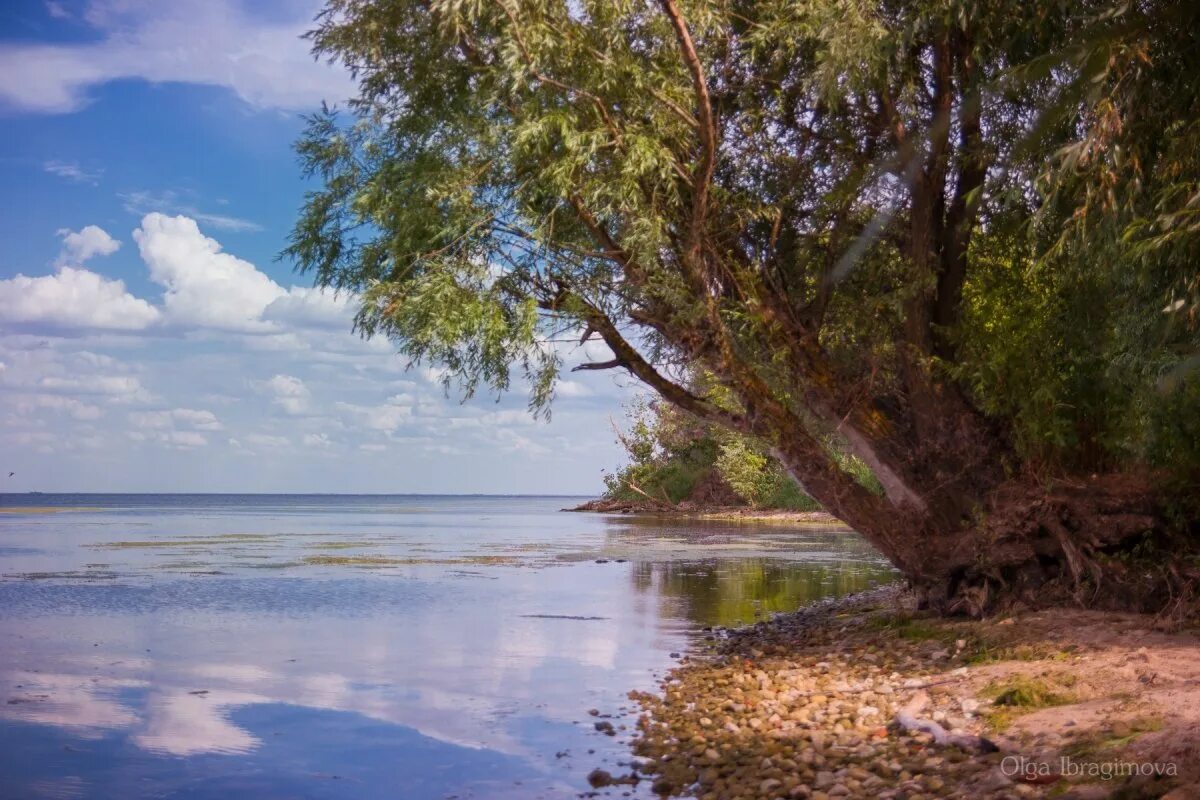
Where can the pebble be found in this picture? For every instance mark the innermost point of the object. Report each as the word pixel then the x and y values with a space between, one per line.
pixel 795 708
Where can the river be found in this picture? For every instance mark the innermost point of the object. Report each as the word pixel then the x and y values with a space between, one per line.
pixel 328 646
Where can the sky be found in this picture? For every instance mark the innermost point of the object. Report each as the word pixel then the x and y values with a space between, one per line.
pixel 151 340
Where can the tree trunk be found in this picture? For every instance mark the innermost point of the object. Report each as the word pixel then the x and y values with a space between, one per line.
pixel 1098 541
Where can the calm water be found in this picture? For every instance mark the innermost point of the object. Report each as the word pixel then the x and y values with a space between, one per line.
pixel 357 647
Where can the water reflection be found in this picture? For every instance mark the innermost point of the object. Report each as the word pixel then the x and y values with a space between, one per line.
pixel 742 591
pixel 347 680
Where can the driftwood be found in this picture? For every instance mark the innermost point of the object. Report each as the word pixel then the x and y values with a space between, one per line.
pixel 663 504
pixel 907 719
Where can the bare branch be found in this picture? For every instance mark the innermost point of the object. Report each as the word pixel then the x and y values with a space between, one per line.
pixel 597 365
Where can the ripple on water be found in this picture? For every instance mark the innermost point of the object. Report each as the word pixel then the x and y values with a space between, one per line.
pixel 347 597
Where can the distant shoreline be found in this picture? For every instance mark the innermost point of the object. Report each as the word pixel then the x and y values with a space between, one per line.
pixel 604 505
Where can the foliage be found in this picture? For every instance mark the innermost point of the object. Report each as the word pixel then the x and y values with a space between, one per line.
pixel 921 248
pixel 671 455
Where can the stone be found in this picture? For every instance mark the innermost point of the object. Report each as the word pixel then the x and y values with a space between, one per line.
pixel 599 778
pixel 769 785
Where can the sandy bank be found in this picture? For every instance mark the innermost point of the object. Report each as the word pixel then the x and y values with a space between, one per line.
pixel 1079 704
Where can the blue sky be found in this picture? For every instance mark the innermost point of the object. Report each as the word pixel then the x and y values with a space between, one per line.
pixel 150 340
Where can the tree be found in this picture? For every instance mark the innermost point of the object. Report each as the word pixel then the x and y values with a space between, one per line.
pixel 674 458
pixel 906 231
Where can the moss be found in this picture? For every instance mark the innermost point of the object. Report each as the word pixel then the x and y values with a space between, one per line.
pixel 1025 692
pixel 1118 736
pixel 984 652
pixel 907 626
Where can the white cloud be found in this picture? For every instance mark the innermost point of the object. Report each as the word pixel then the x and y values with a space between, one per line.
pixel 78 246
pixel 73 299
pixel 318 440
pixel 193 418
pixel 302 307
pixel 72 172
pixel 396 412
pixel 267 440
pixel 287 392
pixel 212 42
pixel 178 439
pixel 197 419
pixel 77 409
pixel 565 388
pixel 118 388
pixel 205 287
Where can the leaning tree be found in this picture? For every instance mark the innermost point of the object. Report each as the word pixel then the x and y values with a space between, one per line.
pixel 952 239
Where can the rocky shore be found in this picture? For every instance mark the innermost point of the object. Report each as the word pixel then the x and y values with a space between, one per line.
pixel 864 698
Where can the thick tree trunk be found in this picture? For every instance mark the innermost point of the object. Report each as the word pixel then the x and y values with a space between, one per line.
pixel 977 542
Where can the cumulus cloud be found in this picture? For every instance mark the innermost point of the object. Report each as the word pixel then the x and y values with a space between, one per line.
pixel 387 417
pixel 177 439
pixel 205 287
pixel 287 392
pixel 76 409
pixel 212 42
pixel 565 388
pixel 267 440
pixel 195 419
pixel 31 367
pixel 73 299
pixel 78 246
pixel 311 308
pixel 116 388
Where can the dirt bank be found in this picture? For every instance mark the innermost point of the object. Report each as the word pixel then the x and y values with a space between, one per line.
pixel 725 513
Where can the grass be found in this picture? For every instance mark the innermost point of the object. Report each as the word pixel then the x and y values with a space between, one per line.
pixel 1021 695
pixel 1118 736
pixel 906 626
pixel 977 648
pixel 1024 692
pixel 984 651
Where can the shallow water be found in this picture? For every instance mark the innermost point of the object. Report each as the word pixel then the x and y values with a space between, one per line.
pixel 358 647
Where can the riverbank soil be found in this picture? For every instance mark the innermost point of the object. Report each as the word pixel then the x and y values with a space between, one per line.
pixel 722 513
pixel 865 697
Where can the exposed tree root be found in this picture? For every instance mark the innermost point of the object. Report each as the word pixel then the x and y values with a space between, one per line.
pixel 1102 543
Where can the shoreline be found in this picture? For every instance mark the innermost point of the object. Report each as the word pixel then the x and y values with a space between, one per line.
pixel 862 697
pixel 604 505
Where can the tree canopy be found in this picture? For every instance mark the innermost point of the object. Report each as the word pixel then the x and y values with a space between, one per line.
pixel 955 240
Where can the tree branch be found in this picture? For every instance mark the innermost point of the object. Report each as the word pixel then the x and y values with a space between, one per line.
pixel 708 127
pixel 598 365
